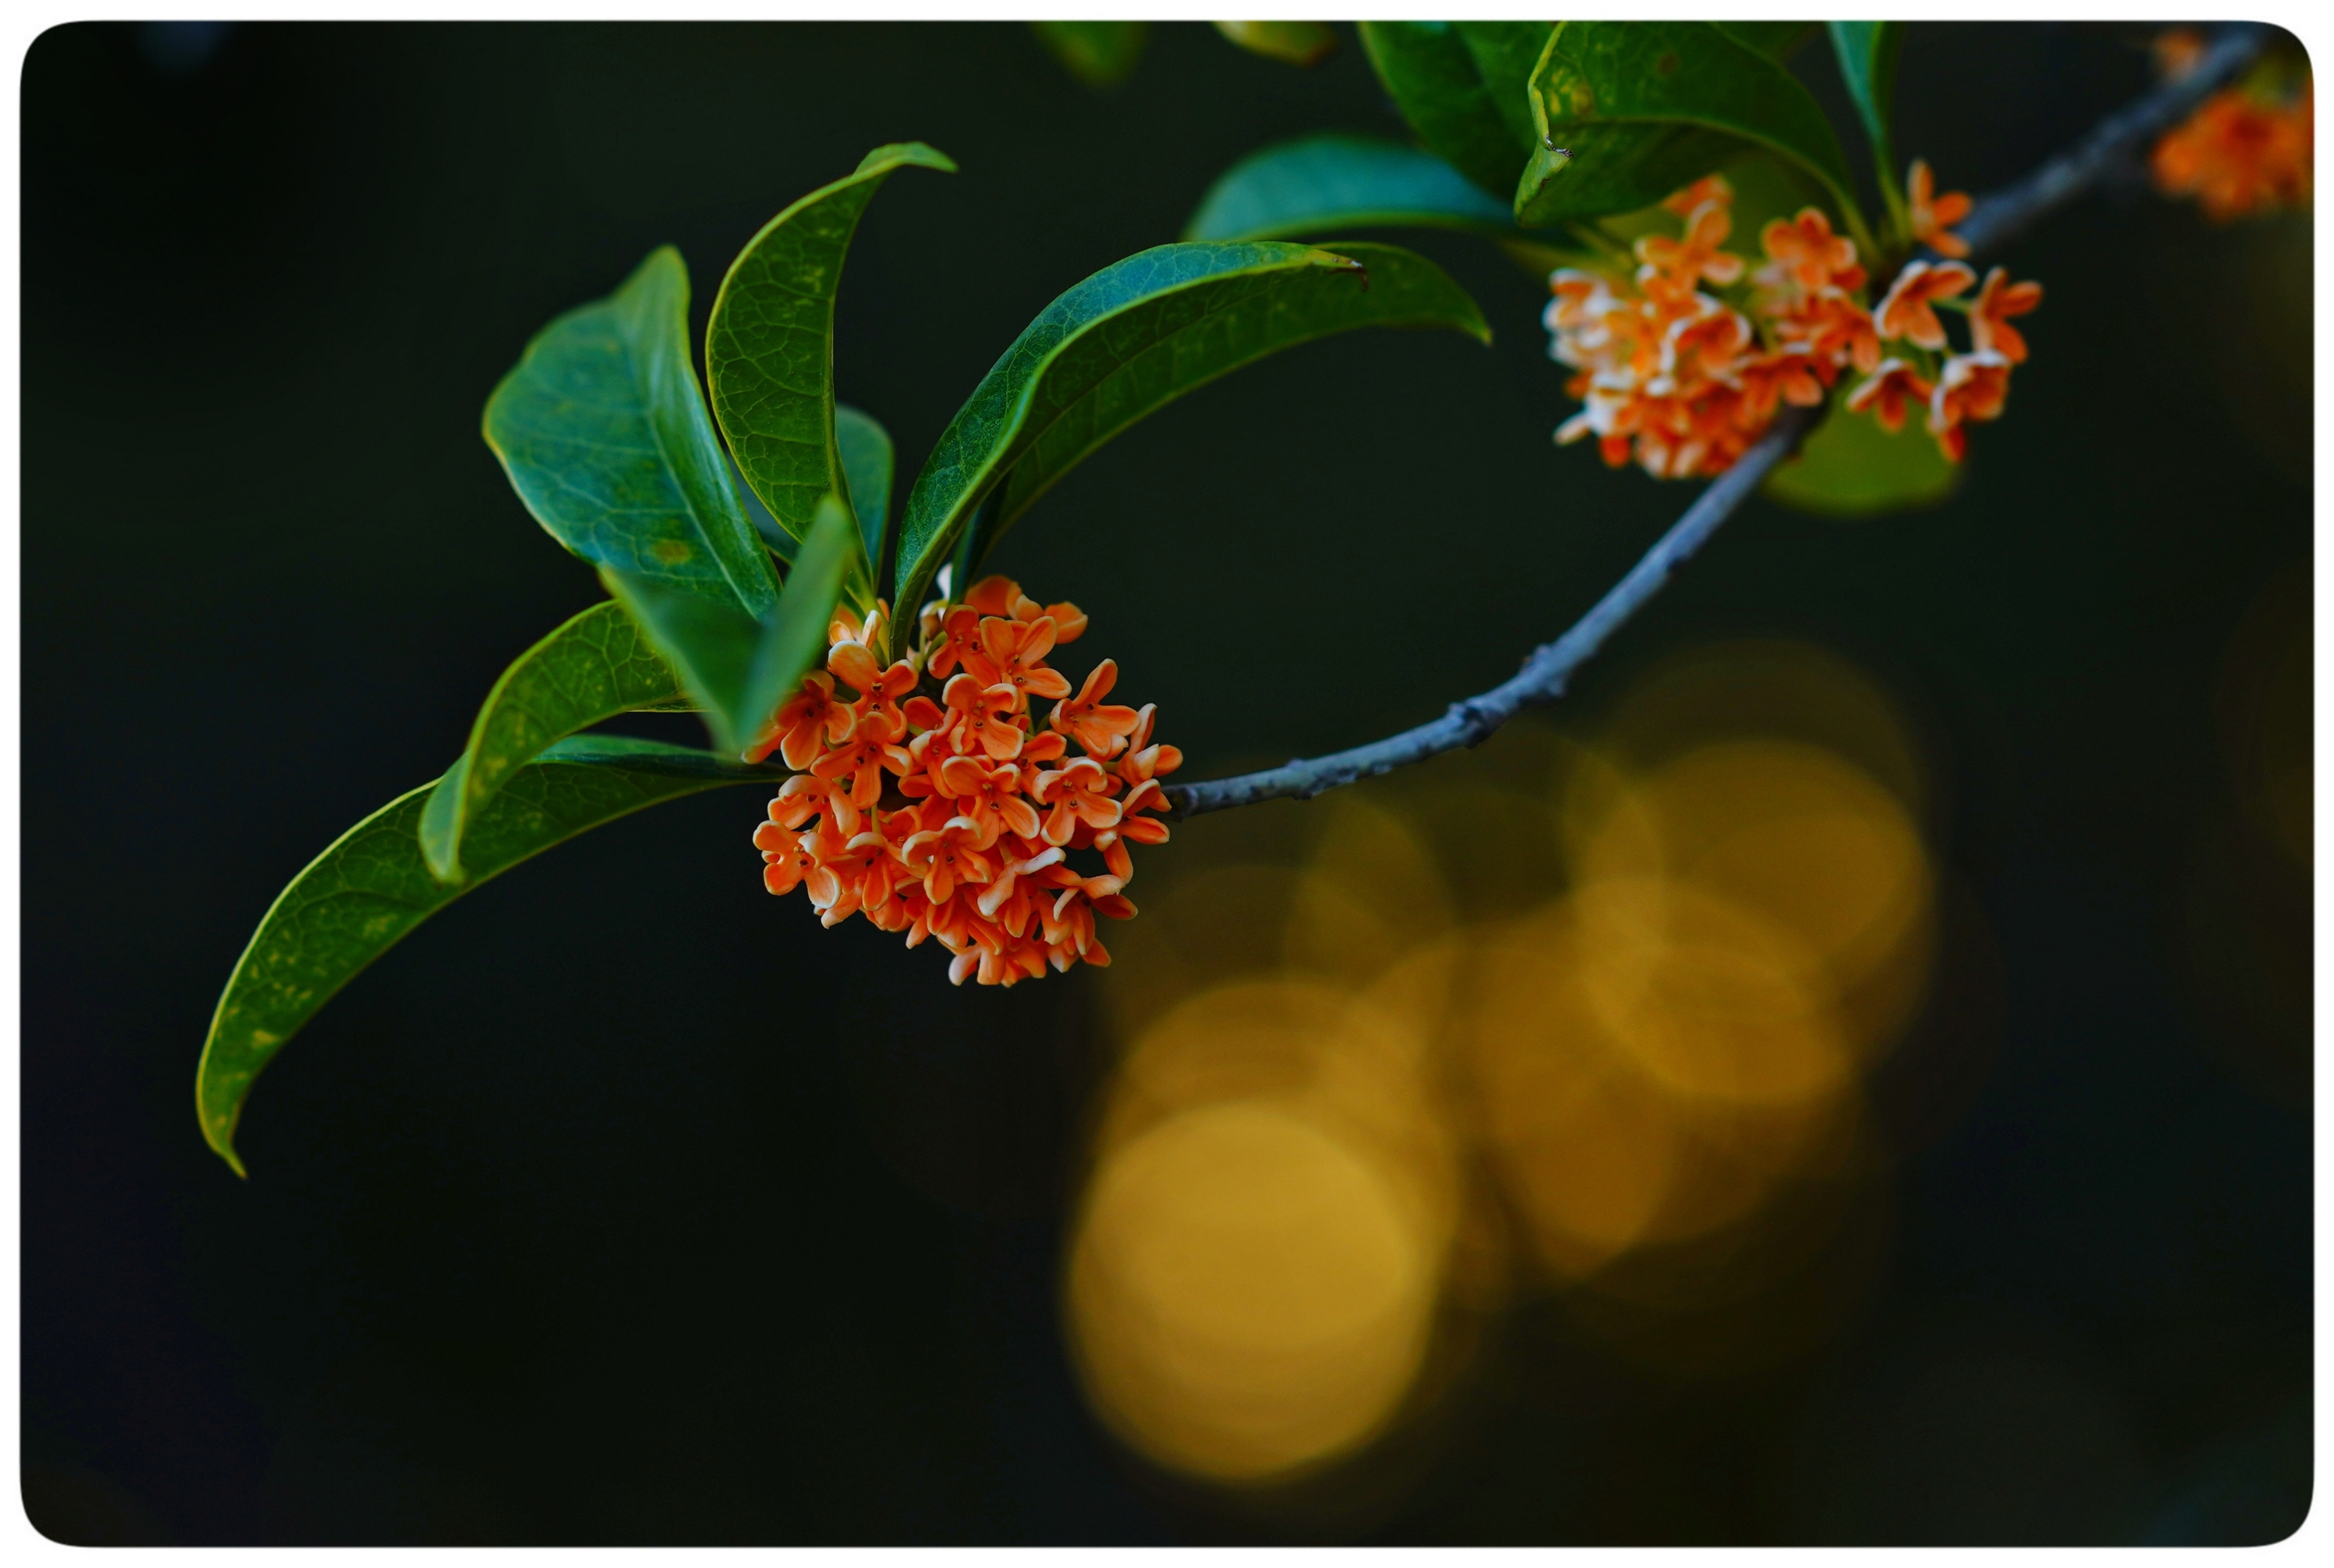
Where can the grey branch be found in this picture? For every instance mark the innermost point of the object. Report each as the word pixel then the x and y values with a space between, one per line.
pixel 2004 214
pixel 1994 221
pixel 1542 680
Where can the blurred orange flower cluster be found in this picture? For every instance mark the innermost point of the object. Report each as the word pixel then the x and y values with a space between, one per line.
pixel 1686 379
pixel 967 839
pixel 2245 151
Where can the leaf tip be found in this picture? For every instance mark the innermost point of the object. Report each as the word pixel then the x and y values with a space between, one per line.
pixel 898 153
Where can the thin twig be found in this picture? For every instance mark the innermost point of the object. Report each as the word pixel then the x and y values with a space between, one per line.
pixel 1542 680
pixel 2006 214
pixel 1996 219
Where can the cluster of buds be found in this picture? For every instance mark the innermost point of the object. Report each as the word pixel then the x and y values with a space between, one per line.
pixel 1685 363
pixel 2247 147
pixel 926 799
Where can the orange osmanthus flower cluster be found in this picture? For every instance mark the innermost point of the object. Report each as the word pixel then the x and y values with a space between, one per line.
pixel 1685 363
pixel 955 819
pixel 2247 147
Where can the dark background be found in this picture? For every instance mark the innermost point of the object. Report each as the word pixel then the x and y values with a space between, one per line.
pixel 623 1205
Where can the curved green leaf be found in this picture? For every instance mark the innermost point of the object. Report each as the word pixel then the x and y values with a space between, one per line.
pixel 1323 185
pixel 1506 53
pixel 591 668
pixel 769 344
pixel 865 449
pixel 1625 112
pixel 354 901
pixel 1462 86
pixel 1849 466
pixel 738 667
pixel 1098 53
pixel 1297 43
pixel 605 437
pixel 1868 53
pixel 1127 340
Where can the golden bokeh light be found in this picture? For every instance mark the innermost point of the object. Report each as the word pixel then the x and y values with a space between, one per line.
pixel 1770 688
pixel 1591 1014
pixel 1250 1293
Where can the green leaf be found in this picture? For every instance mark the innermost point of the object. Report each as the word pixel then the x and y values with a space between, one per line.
pixel 593 667
pixel 605 437
pixel 1098 53
pixel 1868 53
pixel 865 448
pixel 1849 466
pixel 354 901
pixel 1323 185
pixel 1297 43
pixel 1628 111
pixel 1131 339
pixel 769 344
pixel 779 543
pixel 1505 54
pixel 738 667
pixel 1461 88
pixel 1777 41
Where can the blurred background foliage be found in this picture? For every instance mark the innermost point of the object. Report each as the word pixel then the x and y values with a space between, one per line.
pixel 1934 1167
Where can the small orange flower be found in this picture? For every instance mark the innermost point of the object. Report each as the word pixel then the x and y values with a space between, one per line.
pixel 945 857
pixel 986 713
pixel 862 758
pixel 1143 760
pixel 1000 892
pixel 1909 311
pixel 1895 384
pixel 1703 192
pixel 1102 728
pixel 1012 654
pixel 1931 216
pixel 807 795
pixel 2241 153
pixel 989 796
pixel 1079 792
pixel 1973 387
pixel 959 635
pixel 1996 302
pixel 785 859
pixel 1695 256
pixel 1803 253
pixel 1833 330
pixel 1704 348
pixel 1787 375
pixel 806 720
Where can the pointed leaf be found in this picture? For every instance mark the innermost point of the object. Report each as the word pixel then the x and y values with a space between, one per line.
pixel 865 449
pixel 593 667
pixel 1867 54
pixel 1098 53
pixel 1628 111
pixel 739 668
pixel 357 898
pixel 606 439
pixel 769 344
pixel 1131 339
pixel 1849 466
pixel 1297 43
pixel 1324 184
pixel 1435 72
pixel 1506 53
